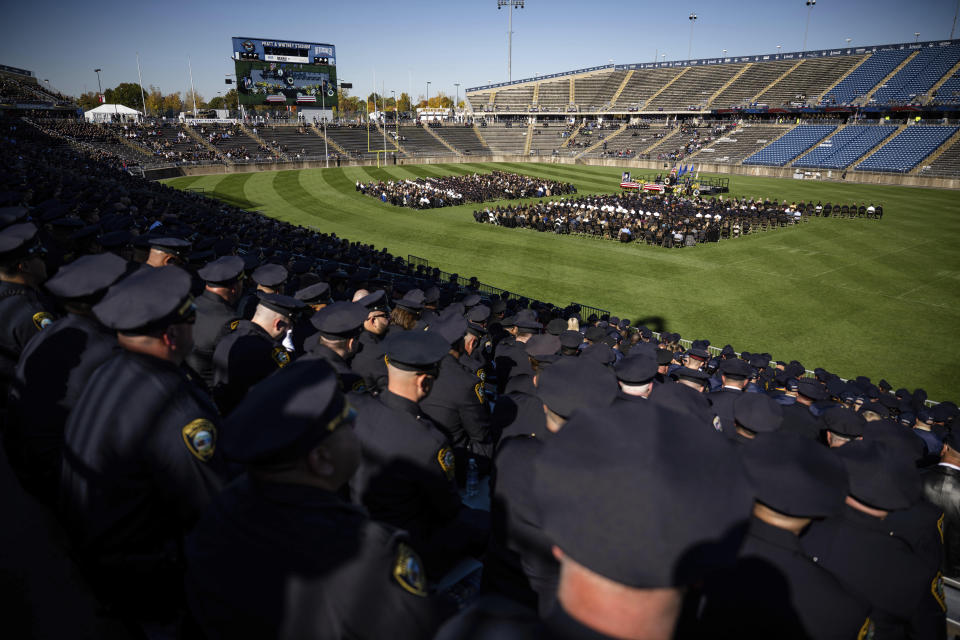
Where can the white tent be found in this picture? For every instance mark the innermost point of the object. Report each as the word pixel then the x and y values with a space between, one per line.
pixel 112 113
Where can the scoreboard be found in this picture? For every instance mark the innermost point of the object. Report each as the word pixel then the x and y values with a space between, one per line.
pixel 283 72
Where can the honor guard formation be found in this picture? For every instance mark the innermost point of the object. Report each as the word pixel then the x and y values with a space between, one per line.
pixel 449 191
pixel 217 425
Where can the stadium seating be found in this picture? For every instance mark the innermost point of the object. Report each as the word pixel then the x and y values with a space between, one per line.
pixel 462 138
pixel 917 76
pixel 514 98
pixel 694 88
pixel 865 77
pixel 945 166
pixel 503 139
pixel 643 84
pixel 554 95
pixel 754 80
pixel 845 147
pixel 907 149
pixel 790 145
pixel 740 143
pixel 417 142
pixel 804 84
pixel 949 91
pixel 354 140
pixel 593 91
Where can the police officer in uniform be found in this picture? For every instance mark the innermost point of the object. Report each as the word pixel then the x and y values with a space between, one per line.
pixel 54 369
pixel 316 296
pixel 635 375
pixel 338 327
pixel 167 251
pixel 139 450
pixel 313 566
pixel 797 417
pixel 406 476
pixel 216 309
pixel 754 413
pixel 775 589
pixel 24 311
pixel 734 374
pixel 251 350
pixel 268 278
pixel 368 361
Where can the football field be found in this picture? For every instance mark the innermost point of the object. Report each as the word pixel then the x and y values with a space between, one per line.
pixel 855 296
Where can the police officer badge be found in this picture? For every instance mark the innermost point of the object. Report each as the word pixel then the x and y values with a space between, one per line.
pixel 200 436
pixel 42 320
pixel 408 572
pixel 447 461
pixel 281 357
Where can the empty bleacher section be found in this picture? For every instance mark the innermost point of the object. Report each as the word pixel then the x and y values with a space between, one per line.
pixel 740 143
pixel 789 146
pixel 805 83
pixel 643 84
pixel 849 144
pixel 505 139
pixel 694 88
pixel 592 92
pixel 514 98
pixel 355 141
pixel 946 165
pixel 949 91
pixel 463 138
pixel 418 142
pixel 546 138
pixel 859 83
pixel 755 79
pixel 918 76
pixel 554 95
pixel 479 101
pixel 907 149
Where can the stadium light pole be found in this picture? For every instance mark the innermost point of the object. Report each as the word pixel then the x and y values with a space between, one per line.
pixel 916 37
pixel 779 46
pixel 510 5
pixel 457 103
pixel 724 57
pixel 810 5
pixel 427 106
pixel 99 86
pixel 692 18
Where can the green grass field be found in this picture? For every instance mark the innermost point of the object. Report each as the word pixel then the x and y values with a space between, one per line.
pixel 857 297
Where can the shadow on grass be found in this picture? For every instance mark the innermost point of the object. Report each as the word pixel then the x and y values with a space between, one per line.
pixel 234 200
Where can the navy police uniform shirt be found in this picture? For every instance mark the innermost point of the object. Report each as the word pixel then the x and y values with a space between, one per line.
pixel 369 362
pixel 722 403
pixel 24 315
pixel 457 405
pixel 244 357
pixel 271 560
pixel 406 474
pixel 349 381
pixel 214 315
pixel 519 412
pixel 797 418
pixel 52 373
pixel 776 591
pixel 138 470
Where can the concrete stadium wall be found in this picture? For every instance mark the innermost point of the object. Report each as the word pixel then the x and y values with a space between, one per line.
pixel 650 165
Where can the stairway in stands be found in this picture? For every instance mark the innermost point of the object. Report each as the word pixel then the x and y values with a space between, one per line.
pixel 483 142
pixel 928 97
pixel 623 85
pixel 827 139
pixel 665 87
pixel 442 141
pixel 199 138
pixel 878 146
pixel 776 82
pixel 317 130
pixel 598 143
pixel 249 132
pixel 726 85
pixel 929 160
pixel 823 94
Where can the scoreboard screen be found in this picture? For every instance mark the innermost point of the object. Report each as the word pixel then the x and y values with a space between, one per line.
pixel 282 72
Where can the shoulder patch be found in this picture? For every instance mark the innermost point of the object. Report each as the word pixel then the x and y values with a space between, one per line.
pixel 42 320
pixel 716 423
pixel 940 527
pixel 447 461
pixel 408 572
pixel 478 389
pixel 866 631
pixel 233 325
pixel 200 436
pixel 936 588
pixel 281 356
pixel 482 374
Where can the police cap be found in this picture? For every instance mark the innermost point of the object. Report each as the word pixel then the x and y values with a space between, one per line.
pixel 600 487
pixel 11 215
pixel 478 313
pixel 431 295
pixel 316 293
pixel 270 275
pixel 115 239
pixel 736 368
pixel 471 300
pixel 637 368
pixel 881 476
pixel 411 301
pixel 664 356
pixel 693 375
pixel 594 334
pixel 700 353
pixel 174 246
pixel 16 242
pixel 284 305
pixel 570 339
pixel 543 347
pixel 148 300
pixel 418 351
pixel 757 412
pixel 87 276
pixel 599 352
pixel 301 404
pixel 575 383
pixel 556 326
pixel 795 475
pixel 340 319
pixel 451 326
pixel 876 408
pixel 222 270
pixel 376 301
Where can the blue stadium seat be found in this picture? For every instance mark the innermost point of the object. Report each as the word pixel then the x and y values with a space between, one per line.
pixel 949 91
pixel 846 146
pixel 919 75
pixel 866 76
pixel 790 145
pixel 908 149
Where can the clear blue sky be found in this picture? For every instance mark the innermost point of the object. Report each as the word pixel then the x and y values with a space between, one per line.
pixel 406 44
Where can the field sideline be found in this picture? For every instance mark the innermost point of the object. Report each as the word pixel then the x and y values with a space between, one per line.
pixel 857 297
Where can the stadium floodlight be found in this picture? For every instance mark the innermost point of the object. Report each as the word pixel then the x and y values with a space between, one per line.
pixel 457 103
pixel 916 36
pixel 724 54
pixel 510 5
pixel 428 95
pixel 692 18
pixel 810 5
pixel 778 49
pixel 99 86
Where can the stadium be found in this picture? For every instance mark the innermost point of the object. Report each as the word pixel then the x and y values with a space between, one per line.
pixel 791 213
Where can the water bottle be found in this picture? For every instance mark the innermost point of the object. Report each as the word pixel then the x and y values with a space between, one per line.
pixel 473 479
